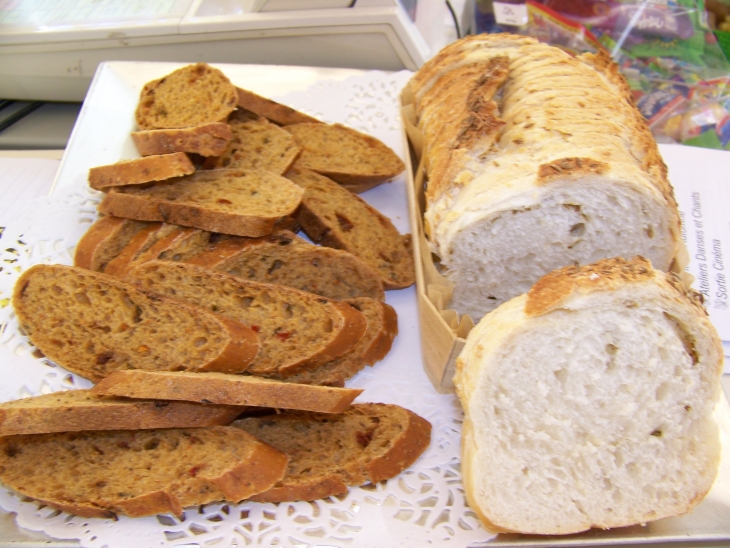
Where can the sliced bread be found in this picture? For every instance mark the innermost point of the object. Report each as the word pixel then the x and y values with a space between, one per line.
pixel 223 389
pixel 369 442
pixel 206 140
pixel 104 240
pixel 334 217
pixel 92 324
pixel 285 259
pixel 382 328
pixel 231 201
pixel 141 170
pixel 190 96
pixel 138 473
pixel 256 144
pixel 355 160
pixel 591 397
pixel 139 244
pixel 296 330
pixel 75 410
pixel 276 112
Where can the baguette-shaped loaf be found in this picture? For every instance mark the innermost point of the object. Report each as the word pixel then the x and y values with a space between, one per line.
pixel 256 144
pixel 189 96
pixel 141 170
pixel 369 442
pixel 357 161
pixel 75 410
pixel 205 140
pixel 535 160
pixel 591 397
pixel 334 217
pixel 382 328
pixel 224 389
pixel 92 324
pixel 296 330
pixel 230 201
pixel 276 112
pixel 138 473
pixel 285 259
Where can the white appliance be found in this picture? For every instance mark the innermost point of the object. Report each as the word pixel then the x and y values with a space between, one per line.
pixel 50 49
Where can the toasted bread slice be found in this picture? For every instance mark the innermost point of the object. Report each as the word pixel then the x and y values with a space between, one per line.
pixel 276 112
pixel 141 170
pixel 206 140
pixel 104 240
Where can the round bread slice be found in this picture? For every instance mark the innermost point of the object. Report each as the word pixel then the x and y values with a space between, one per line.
pixel 75 410
pixel 92 324
pixel 369 442
pixel 138 473
pixel 190 96
pixel 296 330
pixel 588 402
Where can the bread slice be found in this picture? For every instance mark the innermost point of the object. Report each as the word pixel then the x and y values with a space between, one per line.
pixel 141 170
pixel 224 389
pixel 190 96
pixel 244 203
pixel 276 112
pixel 382 328
pixel 592 397
pixel 336 218
pixel 92 324
pixel 143 240
pixel 369 442
pixel 285 259
pixel 76 410
pixel 138 473
pixel 357 161
pixel 104 240
pixel 256 144
pixel 296 330
pixel 206 140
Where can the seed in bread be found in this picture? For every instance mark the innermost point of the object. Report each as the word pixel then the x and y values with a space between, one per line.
pixel 296 330
pixel 588 402
pixel 190 96
pixel 75 410
pixel 369 442
pixel 206 140
pixel 357 161
pixel 92 324
pixel 141 170
pixel 285 259
pixel 224 389
pixel 230 201
pixel 334 217
pixel 138 473
pixel 256 144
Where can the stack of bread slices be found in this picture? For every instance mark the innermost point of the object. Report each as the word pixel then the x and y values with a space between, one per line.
pixel 218 340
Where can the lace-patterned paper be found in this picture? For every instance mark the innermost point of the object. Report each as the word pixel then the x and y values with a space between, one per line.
pixel 423 506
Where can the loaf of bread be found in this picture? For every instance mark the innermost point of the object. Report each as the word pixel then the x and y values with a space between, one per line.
pixel 276 112
pixel 285 259
pixel 535 160
pixel 92 324
pixel 334 217
pixel 369 442
pixel 357 161
pixel 588 402
pixel 230 201
pixel 138 473
pixel 141 170
pixel 256 144
pixel 296 330
pixel 206 140
pixel 75 410
pixel 223 390
pixel 190 96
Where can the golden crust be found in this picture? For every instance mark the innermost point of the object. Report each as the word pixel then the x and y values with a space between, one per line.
pixel 571 167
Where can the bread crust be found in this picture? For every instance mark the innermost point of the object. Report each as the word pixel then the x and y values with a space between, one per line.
pixel 103 241
pixel 222 389
pixel 276 112
pixel 141 170
pixel 206 140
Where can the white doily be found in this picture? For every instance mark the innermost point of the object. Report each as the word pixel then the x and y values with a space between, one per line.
pixel 423 506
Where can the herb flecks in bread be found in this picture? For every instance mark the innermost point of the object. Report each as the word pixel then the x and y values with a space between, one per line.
pixel 592 397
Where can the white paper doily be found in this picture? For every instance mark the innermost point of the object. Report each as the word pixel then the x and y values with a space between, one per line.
pixel 423 506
